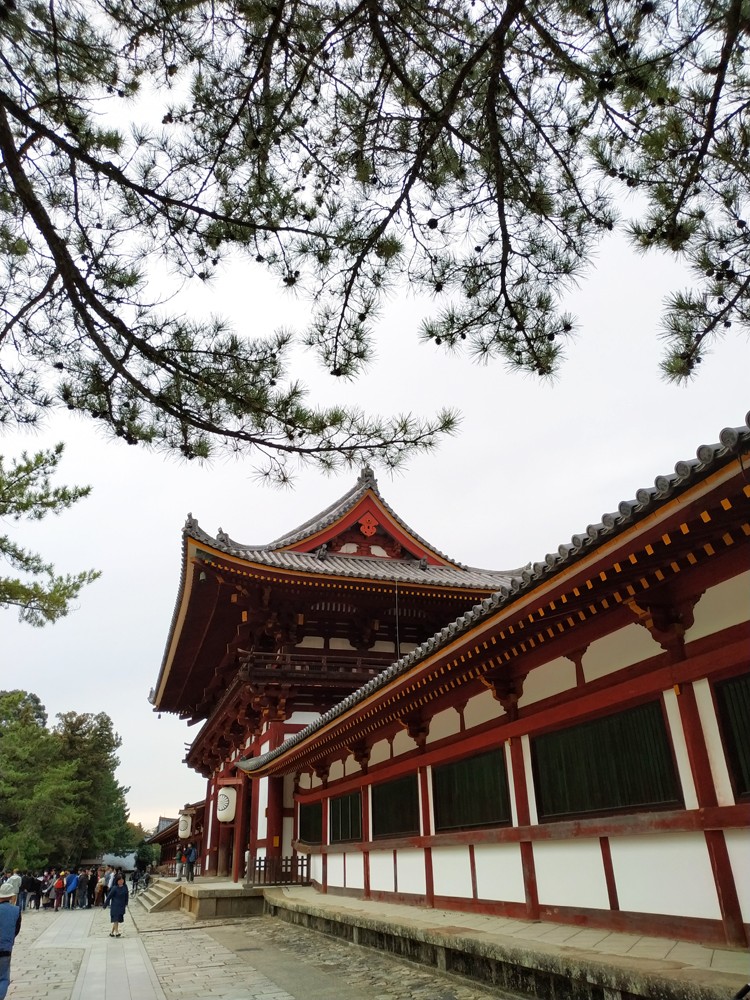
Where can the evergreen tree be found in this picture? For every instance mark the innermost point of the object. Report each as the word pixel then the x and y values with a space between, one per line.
pixel 89 744
pixel 475 150
pixel 26 493
pixel 59 798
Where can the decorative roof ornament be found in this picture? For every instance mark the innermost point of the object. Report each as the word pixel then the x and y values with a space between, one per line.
pixel 223 537
pixel 367 477
pixel 191 524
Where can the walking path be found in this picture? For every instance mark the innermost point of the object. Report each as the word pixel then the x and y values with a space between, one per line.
pixel 168 956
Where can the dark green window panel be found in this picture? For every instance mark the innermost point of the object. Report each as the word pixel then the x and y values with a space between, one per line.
pixel 311 823
pixel 613 764
pixel 395 807
pixel 345 818
pixel 471 792
pixel 733 702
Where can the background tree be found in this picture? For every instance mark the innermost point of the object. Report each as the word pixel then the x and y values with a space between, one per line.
pixel 475 151
pixel 59 799
pixel 89 744
pixel 26 493
pixel 38 792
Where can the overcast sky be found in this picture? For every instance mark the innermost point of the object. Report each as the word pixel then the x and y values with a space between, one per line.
pixel 533 464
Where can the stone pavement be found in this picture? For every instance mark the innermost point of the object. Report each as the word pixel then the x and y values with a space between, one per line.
pixel 168 956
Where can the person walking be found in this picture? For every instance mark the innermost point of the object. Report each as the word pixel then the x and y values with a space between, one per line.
pixel 101 889
pixel 180 863
pixel 71 884
pixel 82 890
pixel 10 925
pixel 59 890
pixel 191 853
pixel 117 898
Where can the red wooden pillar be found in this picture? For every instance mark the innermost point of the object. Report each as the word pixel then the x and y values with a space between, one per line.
pixel 367 837
pixel 524 819
pixel 274 817
pixel 240 829
pixel 324 842
pixel 726 890
pixel 212 842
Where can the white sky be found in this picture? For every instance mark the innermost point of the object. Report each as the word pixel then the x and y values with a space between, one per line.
pixel 532 465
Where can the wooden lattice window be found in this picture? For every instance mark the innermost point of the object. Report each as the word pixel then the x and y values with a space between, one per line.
pixel 471 792
pixel 345 818
pixel 622 762
pixel 311 822
pixel 395 807
pixel 733 703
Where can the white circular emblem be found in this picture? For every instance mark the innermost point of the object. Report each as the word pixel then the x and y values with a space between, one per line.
pixel 223 801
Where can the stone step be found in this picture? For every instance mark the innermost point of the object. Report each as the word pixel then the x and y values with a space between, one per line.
pixel 162 894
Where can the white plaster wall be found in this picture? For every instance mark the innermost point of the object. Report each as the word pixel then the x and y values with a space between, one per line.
pixel 680 749
pixel 380 752
pixel 571 873
pixel 738 846
pixel 340 644
pixel 311 642
pixel 355 870
pixel 410 872
pixel 444 724
pixel 665 873
pixel 529 775
pixel 262 793
pixel 305 780
pixel 381 871
pixel 481 709
pixel 351 766
pixel 287 829
pixel 288 795
pixel 723 605
pixel 499 872
pixel 451 871
pixel 511 783
pixel 402 743
pixel 620 649
pixel 336 870
pixel 381 646
pixel 302 718
pixel 316 867
pixel 550 678
pixel 716 757
pixel 336 770
pixel 315 781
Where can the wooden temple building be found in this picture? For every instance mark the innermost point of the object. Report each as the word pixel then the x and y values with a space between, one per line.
pixel 265 638
pixel 569 741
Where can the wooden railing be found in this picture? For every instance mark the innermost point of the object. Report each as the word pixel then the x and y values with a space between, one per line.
pixel 317 665
pixel 279 871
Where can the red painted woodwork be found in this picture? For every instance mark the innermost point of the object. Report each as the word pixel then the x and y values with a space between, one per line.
pixel 726 890
pixel 609 873
pixel 696 746
pixel 369 507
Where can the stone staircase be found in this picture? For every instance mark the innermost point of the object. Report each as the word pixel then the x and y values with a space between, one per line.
pixel 162 894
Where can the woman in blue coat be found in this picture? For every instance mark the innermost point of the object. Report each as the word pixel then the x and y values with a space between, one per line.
pixel 117 900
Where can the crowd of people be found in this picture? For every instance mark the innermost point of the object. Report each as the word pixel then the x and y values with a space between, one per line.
pixel 55 890
pixel 61 889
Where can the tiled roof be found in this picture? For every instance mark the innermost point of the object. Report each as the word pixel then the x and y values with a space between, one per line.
pixel 408 571
pixel 732 440
pixel 275 555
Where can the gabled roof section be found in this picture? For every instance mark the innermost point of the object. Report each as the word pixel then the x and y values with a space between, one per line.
pixel 360 523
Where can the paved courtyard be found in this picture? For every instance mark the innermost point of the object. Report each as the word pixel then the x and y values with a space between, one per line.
pixel 166 956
